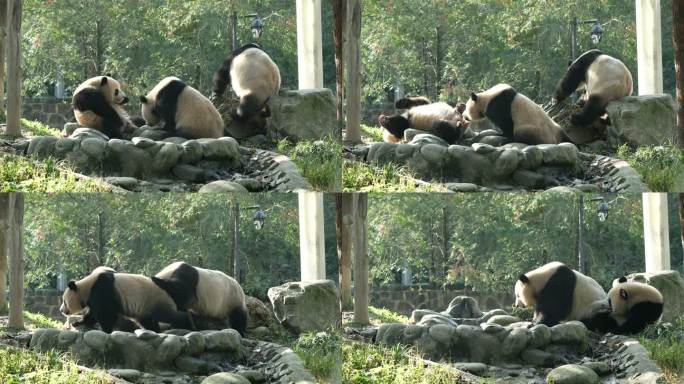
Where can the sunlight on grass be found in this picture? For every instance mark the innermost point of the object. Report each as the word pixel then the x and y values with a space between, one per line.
pixel 319 161
pixel 384 315
pixel 20 174
pixel 38 129
pixel 38 320
pixel 22 366
pixel 389 178
pixel 666 345
pixel 373 134
pixel 321 353
pixel 660 167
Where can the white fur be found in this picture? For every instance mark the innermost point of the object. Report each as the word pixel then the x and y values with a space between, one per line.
pixel 89 118
pixel 139 294
pixel 636 293
pixel 254 73
pixel 423 116
pixel 609 79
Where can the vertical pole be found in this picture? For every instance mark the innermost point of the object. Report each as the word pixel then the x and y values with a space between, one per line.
pixel 656 232
pixel 574 38
pixel 649 47
pixel 309 44
pixel 13 68
pixel 353 57
pixel 580 235
pixel 311 236
pixel 233 25
pixel 236 240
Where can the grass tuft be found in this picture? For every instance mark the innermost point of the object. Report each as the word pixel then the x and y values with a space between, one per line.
pixel 20 174
pixel 38 129
pixel 372 134
pixel 319 161
pixel 321 353
pixel 388 178
pixel 665 342
pixel 22 366
pixel 384 315
pixel 660 166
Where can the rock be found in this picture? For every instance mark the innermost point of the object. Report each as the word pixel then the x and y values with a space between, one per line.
pixel 434 319
pixel 529 179
pixel 483 149
pixel 227 340
pixel 84 133
pixel 192 365
pixel 131 375
pixel 189 172
pixel 225 378
pixel 192 152
pixel 642 120
pixel 65 145
pixel 170 348
pixel 144 334
pixel 462 187
pixel 223 186
pixel 572 374
pixel 571 332
pixel 252 185
pixel 132 161
pixel 671 286
pixel 426 138
pixel 507 162
pixel 494 141
pixel 516 342
pixel 481 347
pixel 259 314
pixel 225 149
pixel 492 329
pixel 442 333
pixel 410 133
pixel 418 314
pixel 562 155
pixel 95 339
pixel 42 146
pixel 539 358
pixel 260 333
pixel 94 147
pixel 306 306
pixel 601 368
pixel 474 368
pixel 154 133
pixel 67 338
pixel 561 190
pixel 44 340
pixel 123 182
pixel 382 152
pixel 304 114
pixel 541 336
pixel 143 142
pixel 464 307
pixel 254 377
pixel 196 343
pixel 391 334
pixel 503 319
pixel 435 154
pixel 69 129
pixel 532 157
pixel 175 140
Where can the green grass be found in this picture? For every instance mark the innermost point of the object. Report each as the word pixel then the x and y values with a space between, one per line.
pixel 22 366
pixel 373 134
pixel 38 320
pixel 366 363
pixel 20 174
pixel 320 162
pixel 38 129
pixel 388 178
pixel 666 345
pixel 383 315
pixel 660 166
pixel 321 353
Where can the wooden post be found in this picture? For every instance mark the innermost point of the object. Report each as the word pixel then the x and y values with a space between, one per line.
pixel 353 134
pixel 678 32
pixel 339 24
pixel 309 44
pixel 311 236
pixel 13 68
pixel 656 232
pixel 345 220
pixel 649 47
pixel 16 259
pixel 4 226
pixel 3 40
pixel 361 286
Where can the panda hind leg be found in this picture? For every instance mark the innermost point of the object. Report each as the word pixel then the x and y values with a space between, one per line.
pixel 447 131
pixel 592 111
pixel 177 319
pixel 238 319
pixel 249 106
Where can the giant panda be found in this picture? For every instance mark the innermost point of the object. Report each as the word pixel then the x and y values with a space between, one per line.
pixel 439 119
pixel 254 77
pixel 104 296
pixel 559 294
pixel 605 79
pixel 205 293
pixel 519 118
pixel 634 305
pixel 98 104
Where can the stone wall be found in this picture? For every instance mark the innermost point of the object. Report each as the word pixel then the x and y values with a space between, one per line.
pixel 46 302
pixel 405 300
pixel 53 111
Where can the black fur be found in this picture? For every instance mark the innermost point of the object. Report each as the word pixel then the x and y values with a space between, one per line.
pixel 639 316
pixel 249 107
pixel 105 305
pixel 575 75
pixel 238 319
pixel 138 121
pixel 554 302
pixel 181 286
pixel 447 131
pixel 94 100
pixel 593 109
pixel 396 125
pixel 500 113
pixel 410 102
pixel 166 105
pixel 222 75
pixel 601 322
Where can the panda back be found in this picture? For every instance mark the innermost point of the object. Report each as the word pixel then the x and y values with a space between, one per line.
pixel 610 78
pixel 217 293
pixel 196 116
pixel 423 116
pixel 253 72
pixel 139 295
pixel 588 299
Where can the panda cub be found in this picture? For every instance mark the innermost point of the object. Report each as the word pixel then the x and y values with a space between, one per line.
pixel 559 294
pixel 439 119
pixel 254 77
pixel 634 305
pixel 604 78
pixel 104 296
pixel 184 110
pixel 520 119
pixel 205 293
pixel 98 104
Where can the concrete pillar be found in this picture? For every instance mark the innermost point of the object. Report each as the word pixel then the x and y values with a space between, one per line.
pixel 656 232
pixel 649 47
pixel 309 44
pixel 311 236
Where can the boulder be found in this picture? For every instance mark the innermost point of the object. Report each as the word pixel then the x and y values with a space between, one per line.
pixel 306 306
pixel 223 186
pixel 304 114
pixel 225 378
pixel 572 374
pixel 642 120
pixel 671 286
pixel 260 315
pixel 464 307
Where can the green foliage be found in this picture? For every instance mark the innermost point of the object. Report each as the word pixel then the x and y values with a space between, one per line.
pixel 38 320
pixel 665 342
pixel 526 314
pixel 661 167
pixel 319 161
pixel 388 178
pixel 321 353
pixel 368 363
pixel 384 315
pixel 373 134
pixel 36 128
pixel 23 366
pixel 20 174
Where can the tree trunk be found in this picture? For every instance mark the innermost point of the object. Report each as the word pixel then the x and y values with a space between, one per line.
pixel 100 255
pixel 4 226
pixel 681 217
pixel 678 32
pixel 345 220
pixel 16 258
pixel 353 72
pixel 13 69
pixel 361 261
pixel 3 40
pixel 339 22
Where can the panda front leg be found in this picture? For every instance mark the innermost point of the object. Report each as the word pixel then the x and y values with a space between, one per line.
pixel 592 111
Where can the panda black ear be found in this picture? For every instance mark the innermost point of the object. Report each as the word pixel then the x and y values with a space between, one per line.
pixel 104 80
pixel 108 74
pixel 524 279
pixel 143 99
pixel 622 279
pixel 473 96
pixel 72 285
pixel 623 294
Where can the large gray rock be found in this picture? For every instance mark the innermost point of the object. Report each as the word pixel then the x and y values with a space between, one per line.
pixel 571 332
pixel 671 286
pixel 306 306
pixel 572 374
pixel 304 114
pixel 642 120
pixel 223 186
pixel 225 378
pixel 464 307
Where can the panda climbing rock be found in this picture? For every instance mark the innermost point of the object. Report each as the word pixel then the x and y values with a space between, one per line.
pixel 104 296
pixel 254 77
pixel 98 104
pixel 520 119
pixel 634 305
pixel 604 78
pixel 205 293
pixel 559 294
pixel 184 111
pixel 439 119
